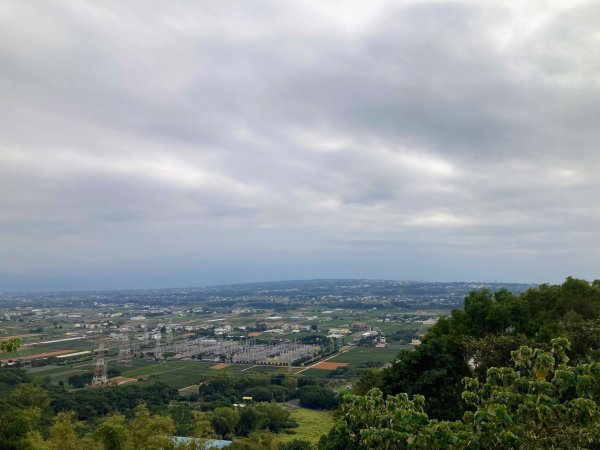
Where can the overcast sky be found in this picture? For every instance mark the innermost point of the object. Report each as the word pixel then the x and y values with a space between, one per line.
pixel 152 143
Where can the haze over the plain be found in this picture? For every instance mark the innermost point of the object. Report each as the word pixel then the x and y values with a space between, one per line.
pixel 148 143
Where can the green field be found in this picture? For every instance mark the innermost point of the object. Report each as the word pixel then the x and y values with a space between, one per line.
pixel 316 373
pixel 183 373
pixel 178 374
pixel 61 373
pixel 311 425
pixel 358 355
pixel 269 369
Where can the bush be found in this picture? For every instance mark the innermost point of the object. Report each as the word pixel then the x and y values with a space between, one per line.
pixel 317 397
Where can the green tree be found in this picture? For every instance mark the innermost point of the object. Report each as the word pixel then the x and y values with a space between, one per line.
pixel 23 409
pixel 491 351
pixel 367 380
pixel 224 421
pixel 277 417
pixel 540 402
pixel 203 428
pixel 317 397
pixel 482 334
pixel 29 396
pixel 251 419
pixel 183 418
pixel 15 424
pixel 9 345
pixel 290 383
pixel 435 369
pixel 64 434
pixel 112 433
pixel 148 432
pixel 296 444
pixel 256 441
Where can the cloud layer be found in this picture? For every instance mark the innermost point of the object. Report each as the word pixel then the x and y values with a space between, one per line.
pixel 153 144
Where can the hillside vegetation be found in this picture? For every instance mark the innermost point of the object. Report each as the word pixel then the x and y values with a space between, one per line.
pixel 506 371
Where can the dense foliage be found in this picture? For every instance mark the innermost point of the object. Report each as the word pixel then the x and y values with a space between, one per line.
pixel 483 334
pixel 317 397
pixel 52 417
pixel 540 402
pixel 226 390
pixel 9 345
pixel 90 403
pixel 475 382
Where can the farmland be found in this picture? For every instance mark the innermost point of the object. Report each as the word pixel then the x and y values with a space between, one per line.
pixel 330 314
pixel 177 374
pixel 190 352
pixel 183 373
pixel 358 355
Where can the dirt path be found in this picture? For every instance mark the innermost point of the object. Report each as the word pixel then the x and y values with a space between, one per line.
pixel 324 360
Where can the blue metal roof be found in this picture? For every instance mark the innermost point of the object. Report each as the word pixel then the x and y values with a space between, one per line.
pixel 208 443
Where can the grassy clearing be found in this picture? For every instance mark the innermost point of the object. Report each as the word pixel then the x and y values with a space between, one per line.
pixel 61 373
pixel 179 374
pixel 174 373
pixel 311 425
pixel 268 369
pixel 316 373
pixel 359 355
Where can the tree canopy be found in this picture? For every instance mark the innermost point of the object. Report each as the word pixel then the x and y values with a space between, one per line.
pixel 9 345
pixel 483 334
pixel 540 402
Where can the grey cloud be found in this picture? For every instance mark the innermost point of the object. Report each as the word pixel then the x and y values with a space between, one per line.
pixel 193 140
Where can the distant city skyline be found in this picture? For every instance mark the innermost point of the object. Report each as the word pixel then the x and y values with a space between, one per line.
pixel 149 144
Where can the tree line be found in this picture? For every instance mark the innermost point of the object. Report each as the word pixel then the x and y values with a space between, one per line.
pixel 147 416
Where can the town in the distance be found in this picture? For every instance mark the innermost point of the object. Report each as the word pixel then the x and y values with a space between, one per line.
pixel 300 365
pixel 326 329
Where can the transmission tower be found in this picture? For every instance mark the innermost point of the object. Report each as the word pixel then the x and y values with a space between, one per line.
pixel 101 372
pixel 170 332
pixel 334 344
pixel 125 350
pixel 157 349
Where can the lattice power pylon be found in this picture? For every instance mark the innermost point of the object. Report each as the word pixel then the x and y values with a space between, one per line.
pixel 157 350
pixel 125 350
pixel 101 372
pixel 170 332
pixel 334 343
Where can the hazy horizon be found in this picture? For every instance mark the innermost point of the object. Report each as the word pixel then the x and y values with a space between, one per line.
pixel 82 286
pixel 149 144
